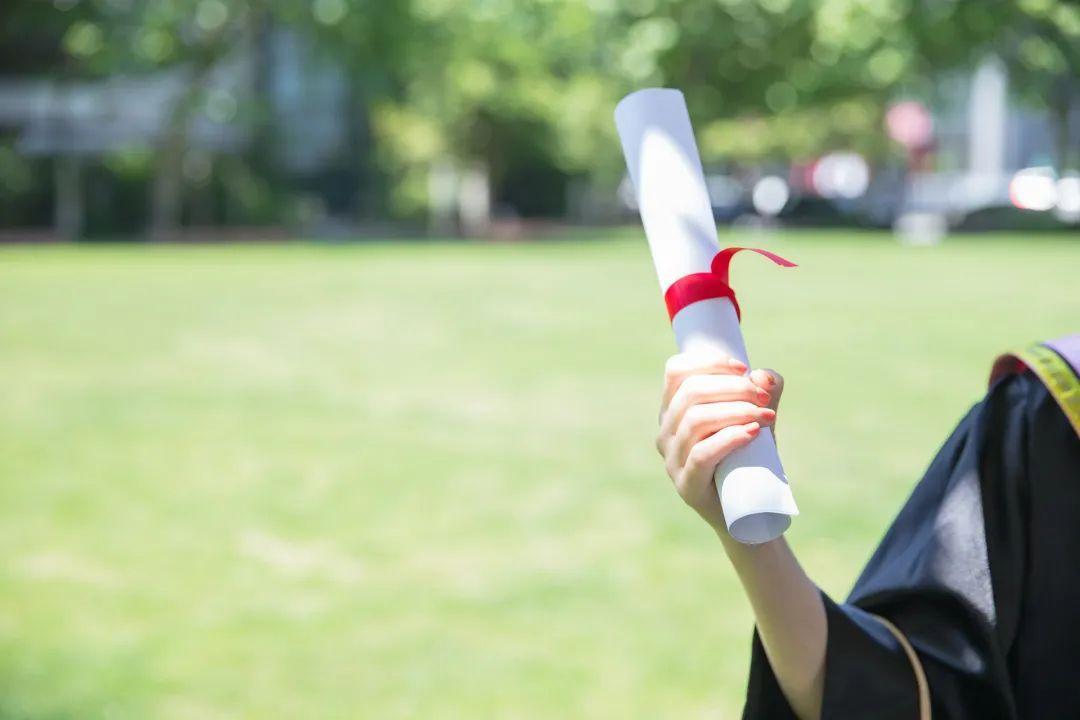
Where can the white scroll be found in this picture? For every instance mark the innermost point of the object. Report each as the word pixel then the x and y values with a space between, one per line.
pixel 665 168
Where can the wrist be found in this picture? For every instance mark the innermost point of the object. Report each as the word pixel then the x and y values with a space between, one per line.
pixel 741 554
pixel 732 547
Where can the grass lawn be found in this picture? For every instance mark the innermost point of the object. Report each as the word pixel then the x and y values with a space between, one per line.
pixel 396 481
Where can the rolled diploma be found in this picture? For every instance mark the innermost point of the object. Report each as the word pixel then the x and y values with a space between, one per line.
pixel 665 168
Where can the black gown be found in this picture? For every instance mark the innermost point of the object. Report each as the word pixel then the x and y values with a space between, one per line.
pixel 981 572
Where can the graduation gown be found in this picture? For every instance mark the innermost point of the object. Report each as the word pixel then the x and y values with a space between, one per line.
pixel 980 571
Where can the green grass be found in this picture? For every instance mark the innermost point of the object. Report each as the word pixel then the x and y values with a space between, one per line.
pixel 396 481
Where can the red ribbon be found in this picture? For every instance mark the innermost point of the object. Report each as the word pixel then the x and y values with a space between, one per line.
pixel 696 287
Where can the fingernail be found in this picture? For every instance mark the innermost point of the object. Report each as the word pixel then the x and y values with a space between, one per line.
pixel 763 396
pixel 767 414
pixel 738 365
pixel 752 429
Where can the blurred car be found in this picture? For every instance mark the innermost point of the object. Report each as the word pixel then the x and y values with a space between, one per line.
pixel 1032 198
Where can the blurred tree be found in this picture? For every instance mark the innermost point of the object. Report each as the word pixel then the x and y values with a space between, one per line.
pixel 193 36
pixel 461 105
pixel 781 78
pixel 69 39
pixel 372 41
pixel 31 35
pixel 493 91
pixel 1039 40
pixel 791 78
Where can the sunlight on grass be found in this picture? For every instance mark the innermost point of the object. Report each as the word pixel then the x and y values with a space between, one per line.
pixel 398 481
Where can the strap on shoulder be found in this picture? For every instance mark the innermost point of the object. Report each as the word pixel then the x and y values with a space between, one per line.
pixel 916 665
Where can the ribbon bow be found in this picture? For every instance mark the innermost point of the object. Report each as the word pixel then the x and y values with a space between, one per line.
pixel 696 287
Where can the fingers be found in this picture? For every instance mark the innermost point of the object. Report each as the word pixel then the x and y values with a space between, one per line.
pixel 700 421
pixel 712 405
pixel 702 389
pixel 707 454
pixel 771 382
pixel 681 366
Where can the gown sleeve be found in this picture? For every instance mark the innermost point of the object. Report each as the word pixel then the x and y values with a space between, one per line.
pixel 861 654
pixel 948 573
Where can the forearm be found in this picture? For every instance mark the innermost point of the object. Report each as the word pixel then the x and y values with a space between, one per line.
pixel 790 617
pixel 710 408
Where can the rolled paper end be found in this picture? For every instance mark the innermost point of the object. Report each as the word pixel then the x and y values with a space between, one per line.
pixel 754 492
pixel 758 505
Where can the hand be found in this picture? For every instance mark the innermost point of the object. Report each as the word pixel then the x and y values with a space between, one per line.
pixel 710 408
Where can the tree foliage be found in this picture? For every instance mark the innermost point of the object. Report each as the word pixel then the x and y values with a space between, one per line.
pixel 528 87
